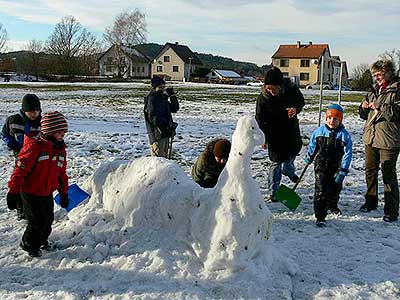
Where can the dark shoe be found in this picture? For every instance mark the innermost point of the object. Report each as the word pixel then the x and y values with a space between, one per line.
pixel 389 218
pixel 31 252
pixel 320 223
pixel 336 212
pixel 294 179
pixel 366 208
pixel 46 246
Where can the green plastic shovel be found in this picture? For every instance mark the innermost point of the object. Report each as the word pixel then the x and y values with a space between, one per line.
pixel 288 196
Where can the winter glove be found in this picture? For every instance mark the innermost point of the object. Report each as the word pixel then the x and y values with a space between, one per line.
pixel 307 160
pixel 64 201
pixel 170 91
pixel 12 200
pixel 339 178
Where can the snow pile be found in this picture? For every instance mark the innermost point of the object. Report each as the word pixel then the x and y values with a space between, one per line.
pixel 227 226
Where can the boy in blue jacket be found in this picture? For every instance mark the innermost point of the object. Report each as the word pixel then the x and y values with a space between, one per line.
pixel 331 150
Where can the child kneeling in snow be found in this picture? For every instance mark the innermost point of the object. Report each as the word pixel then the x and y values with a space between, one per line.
pixel 39 171
pixel 330 147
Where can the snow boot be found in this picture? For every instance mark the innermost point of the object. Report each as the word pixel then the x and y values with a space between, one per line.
pixel 367 208
pixel 31 252
pixel 389 218
pixel 320 223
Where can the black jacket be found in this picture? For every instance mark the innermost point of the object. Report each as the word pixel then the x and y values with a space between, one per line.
pixel 157 114
pixel 282 134
pixel 15 127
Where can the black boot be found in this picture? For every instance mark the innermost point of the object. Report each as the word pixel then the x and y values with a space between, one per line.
pixel 31 252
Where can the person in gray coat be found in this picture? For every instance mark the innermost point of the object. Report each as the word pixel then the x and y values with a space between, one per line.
pixel 380 108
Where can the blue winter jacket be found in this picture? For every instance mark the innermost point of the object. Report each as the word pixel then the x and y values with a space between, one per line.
pixel 331 149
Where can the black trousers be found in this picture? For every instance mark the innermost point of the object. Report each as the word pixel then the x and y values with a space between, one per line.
pixel 327 192
pixel 39 212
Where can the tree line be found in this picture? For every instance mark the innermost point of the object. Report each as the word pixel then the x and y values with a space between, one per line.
pixel 73 50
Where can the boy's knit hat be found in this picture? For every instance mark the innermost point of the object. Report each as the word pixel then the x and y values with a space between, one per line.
pixel 30 102
pixel 335 110
pixel 273 76
pixel 53 122
pixel 222 148
pixel 157 81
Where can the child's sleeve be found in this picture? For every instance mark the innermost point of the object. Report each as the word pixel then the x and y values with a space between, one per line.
pixel 63 178
pixel 23 167
pixel 348 154
pixel 311 151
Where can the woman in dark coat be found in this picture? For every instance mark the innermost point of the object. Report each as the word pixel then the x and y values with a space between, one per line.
pixel 276 113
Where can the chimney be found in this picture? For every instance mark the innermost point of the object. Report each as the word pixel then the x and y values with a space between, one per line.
pixel 298 44
pixel 310 43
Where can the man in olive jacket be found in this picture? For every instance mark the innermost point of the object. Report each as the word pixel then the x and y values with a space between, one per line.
pixel 159 105
pixel 381 110
pixel 276 113
pixel 211 162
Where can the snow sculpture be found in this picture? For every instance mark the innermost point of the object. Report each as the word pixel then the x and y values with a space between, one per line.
pixel 226 226
pixel 232 222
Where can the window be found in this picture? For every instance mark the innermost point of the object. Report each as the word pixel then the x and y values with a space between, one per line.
pixel 284 63
pixel 285 74
pixel 166 58
pixel 305 63
pixel 142 69
pixel 175 68
pixel 305 76
pixel 133 69
pixel 159 68
pixel 109 69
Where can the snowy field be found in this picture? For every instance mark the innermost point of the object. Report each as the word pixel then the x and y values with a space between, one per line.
pixel 101 252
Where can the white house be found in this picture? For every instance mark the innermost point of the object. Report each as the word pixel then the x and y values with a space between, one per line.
pixel 175 62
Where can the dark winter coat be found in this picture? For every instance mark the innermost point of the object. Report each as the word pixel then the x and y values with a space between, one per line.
pixel 331 150
pixel 206 170
pixel 15 127
pixel 382 126
pixel 282 134
pixel 40 169
pixel 158 117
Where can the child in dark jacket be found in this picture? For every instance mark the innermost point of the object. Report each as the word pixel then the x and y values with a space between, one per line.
pixel 331 149
pixel 211 162
pixel 25 122
pixel 40 170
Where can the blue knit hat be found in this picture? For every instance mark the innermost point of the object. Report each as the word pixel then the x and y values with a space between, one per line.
pixel 157 81
pixel 336 111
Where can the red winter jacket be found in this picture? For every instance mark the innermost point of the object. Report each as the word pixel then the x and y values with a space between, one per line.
pixel 40 169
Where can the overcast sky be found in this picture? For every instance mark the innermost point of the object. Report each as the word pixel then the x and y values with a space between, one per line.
pixel 358 31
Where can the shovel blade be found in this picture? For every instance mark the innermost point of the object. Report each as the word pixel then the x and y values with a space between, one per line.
pixel 288 197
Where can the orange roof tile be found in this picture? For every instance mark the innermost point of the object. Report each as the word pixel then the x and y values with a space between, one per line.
pixel 304 51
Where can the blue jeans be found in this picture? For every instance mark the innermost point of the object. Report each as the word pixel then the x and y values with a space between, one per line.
pixel 275 172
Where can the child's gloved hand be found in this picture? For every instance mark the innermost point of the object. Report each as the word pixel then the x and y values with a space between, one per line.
pixel 339 179
pixel 64 200
pixel 307 160
pixel 12 200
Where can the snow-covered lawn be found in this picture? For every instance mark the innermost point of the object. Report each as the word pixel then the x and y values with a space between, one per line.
pixel 98 256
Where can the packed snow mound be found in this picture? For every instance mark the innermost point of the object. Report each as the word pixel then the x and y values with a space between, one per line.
pixel 227 226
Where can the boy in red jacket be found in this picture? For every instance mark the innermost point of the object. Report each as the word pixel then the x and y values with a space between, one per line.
pixel 39 171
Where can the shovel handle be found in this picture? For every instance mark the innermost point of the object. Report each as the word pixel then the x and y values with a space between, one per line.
pixel 301 176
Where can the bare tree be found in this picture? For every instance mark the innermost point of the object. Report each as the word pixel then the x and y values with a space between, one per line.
pixel 3 37
pixel 35 49
pixel 129 29
pixel 66 43
pixel 90 51
pixel 394 56
pixel 361 77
